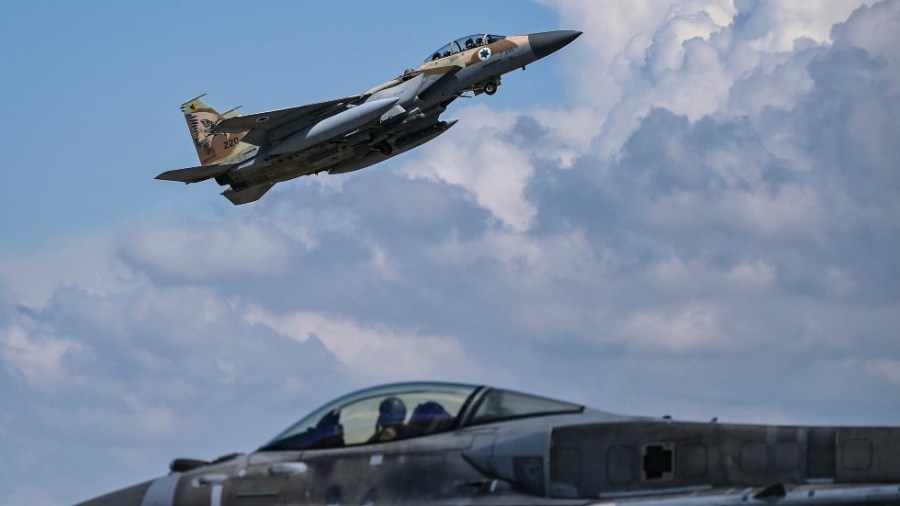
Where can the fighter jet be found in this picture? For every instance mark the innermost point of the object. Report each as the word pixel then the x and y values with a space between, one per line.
pixel 252 153
pixel 437 444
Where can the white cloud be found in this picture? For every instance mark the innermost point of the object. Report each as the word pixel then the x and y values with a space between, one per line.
pixel 569 132
pixel 673 275
pixel 752 274
pixel 778 87
pixel 534 260
pixel 382 263
pixel 87 261
pixel 40 359
pixel 210 250
pixel 682 329
pixel 690 57
pixel 369 353
pixel 493 157
pixel 777 24
pixel 480 160
pixel 886 368
pixel 720 205
pixel 876 29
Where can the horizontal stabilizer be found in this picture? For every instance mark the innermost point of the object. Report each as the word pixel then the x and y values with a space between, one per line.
pixel 196 174
pixel 247 195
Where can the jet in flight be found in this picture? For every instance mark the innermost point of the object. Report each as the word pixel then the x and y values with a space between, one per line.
pixel 441 444
pixel 249 154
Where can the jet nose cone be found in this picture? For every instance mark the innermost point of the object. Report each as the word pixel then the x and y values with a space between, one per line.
pixel 131 496
pixel 545 43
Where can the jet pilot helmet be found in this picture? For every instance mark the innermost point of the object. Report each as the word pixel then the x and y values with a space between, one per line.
pixel 391 411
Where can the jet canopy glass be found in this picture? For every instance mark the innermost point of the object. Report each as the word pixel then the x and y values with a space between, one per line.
pixel 408 410
pixel 498 405
pixel 463 44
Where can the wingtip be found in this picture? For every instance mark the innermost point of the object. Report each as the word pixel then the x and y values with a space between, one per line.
pixel 195 98
pixel 163 177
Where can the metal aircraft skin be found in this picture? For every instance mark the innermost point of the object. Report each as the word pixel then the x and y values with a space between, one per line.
pixel 252 153
pixel 437 444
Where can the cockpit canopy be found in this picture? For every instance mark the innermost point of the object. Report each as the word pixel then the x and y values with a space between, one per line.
pixel 464 44
pixel 408 410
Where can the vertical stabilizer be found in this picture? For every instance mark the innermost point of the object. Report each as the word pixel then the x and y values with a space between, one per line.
pixel 211 147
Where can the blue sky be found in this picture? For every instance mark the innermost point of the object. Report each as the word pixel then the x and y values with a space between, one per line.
pixel 692 210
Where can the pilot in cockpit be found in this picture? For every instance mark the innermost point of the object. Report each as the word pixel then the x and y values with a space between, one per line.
pixel 391 415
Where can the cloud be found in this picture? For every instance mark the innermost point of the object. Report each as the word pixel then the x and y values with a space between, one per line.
pixel 873 28
pixel 689 57
pixel 38 359
pixel 369 353
pixel 692 328
pixel 673 275
pixel 204 250
pixel 87 260
pixel 495 186
pixel 889 369
pixel 710 230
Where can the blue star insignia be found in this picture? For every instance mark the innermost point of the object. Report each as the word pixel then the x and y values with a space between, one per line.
pixel 485 53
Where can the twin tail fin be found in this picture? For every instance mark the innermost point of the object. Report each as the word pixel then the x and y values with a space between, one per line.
pixel 212 147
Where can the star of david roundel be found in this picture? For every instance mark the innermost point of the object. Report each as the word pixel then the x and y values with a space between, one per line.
pixel 484 54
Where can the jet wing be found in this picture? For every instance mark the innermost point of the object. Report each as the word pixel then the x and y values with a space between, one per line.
pixel 440 84
pixel 196 174
pixel 274 125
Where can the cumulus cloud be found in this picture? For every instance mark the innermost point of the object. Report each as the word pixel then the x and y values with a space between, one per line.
pixel 204 250
pixel 874 28
pixel 690 56
pixel 692 328
pixel 733 166
pixel 38 359
pixel 497 187
pixel 707 228
pixel 493 156
pixel 88 261
pixel 369 353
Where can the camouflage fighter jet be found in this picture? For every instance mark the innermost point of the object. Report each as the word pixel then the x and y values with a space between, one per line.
pixel 437 444
pixel 252 153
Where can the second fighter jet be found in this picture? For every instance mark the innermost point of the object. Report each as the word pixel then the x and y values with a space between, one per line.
pixel 249 154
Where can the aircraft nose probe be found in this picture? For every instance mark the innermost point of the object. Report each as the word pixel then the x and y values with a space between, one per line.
pixel 545 43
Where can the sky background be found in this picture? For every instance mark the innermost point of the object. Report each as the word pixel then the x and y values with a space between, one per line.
pixel 692 210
